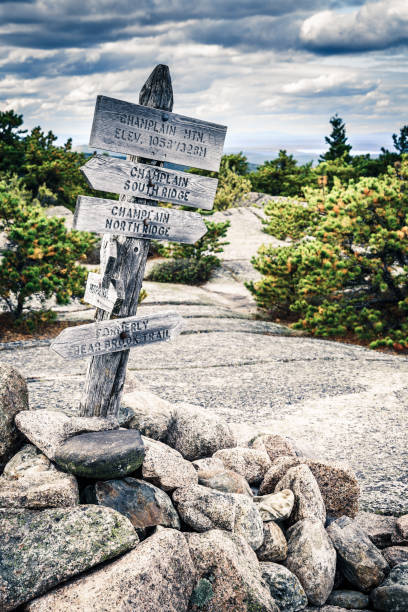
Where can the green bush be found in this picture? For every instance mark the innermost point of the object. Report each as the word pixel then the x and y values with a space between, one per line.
pixel 42 258
pixel 192 264
pixel 233 182
pixel 346 270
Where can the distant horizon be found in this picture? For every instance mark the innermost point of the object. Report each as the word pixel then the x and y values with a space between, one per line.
pixel 273 72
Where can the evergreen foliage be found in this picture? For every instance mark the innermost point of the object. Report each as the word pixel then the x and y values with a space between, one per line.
pixel 337 141
pixel 41 260
pixel 192 264
pixel 346 270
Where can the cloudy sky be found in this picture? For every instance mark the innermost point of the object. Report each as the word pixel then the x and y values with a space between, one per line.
pixel 273 71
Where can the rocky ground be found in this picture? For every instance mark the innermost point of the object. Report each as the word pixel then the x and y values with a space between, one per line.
pixel 342 402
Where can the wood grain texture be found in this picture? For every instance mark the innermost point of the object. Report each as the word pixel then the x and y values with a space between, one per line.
pixel 137 220
pixel 106 373
pixel 132 128
pixel 105 337
pixel 99 296
pixel 141 180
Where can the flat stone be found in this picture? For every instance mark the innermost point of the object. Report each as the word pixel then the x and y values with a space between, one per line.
pixel 49 429
pixel 308 499
pixel 380 529
pixel 203 509
pixel 349 600
pixel 208 467
pixel 165 467
pixel 252 464
pixel 13 399
pixel 274 547
pixel 312 558
pixel 229 576
pixel 102 454
pixel 392 594
pixel 394 555
pixel 275 445
pixel 144 504
pixel 359 560
pixel 337 483
pixel 226 481
pixel 284 587
pixel 42 548
pixel 198 433
pixel 275 506
pixel 148 413
pixel 30 480
pixel 157 575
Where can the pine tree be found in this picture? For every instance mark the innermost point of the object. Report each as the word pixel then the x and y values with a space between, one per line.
pixel 337 141
pixel 401 141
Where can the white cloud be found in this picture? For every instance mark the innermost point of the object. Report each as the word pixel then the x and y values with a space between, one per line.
pixel 334 83
pixel 376 25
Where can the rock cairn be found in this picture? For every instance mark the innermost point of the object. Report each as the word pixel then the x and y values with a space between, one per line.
pixel 162 510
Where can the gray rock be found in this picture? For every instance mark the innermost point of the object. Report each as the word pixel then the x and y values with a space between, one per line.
pixel 275 445
pixel 203 509
pixel 402 526
pixel 274 547
pixel 42 548
pixel 275 506
pixel 337 483
pixel 165 467
pixel 148 413
pixel 308 499
pixel 13 399
pixel 157 576
pixel 196 433
pixel 144 504
pixel 226 481
pixel 349 600
pixel 49 429
pixel 394 555
pixel 359 560
pixel 251 463
pixel 392 594
pixel 102 454
pixel 312 558
pixel 30 480
pixel 284 587
pixel 330 608
pixel 381 530
pixel 209 466
pixel 229 574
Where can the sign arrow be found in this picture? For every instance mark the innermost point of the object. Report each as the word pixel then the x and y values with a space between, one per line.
pixel 116 335
pixel 156 134
pixel 137 220
pixel 98 295
pixel 151 182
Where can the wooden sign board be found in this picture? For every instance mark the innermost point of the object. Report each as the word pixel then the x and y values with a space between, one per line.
pixel 98 295
pixel 154 134
pixel 150 182
pixel 116 335
pixel 137 220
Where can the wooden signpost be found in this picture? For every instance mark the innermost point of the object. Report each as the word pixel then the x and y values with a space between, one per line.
pixel 144 181
pixel 138 220
pixel 132 128
pixel 116 335
pixel 128 224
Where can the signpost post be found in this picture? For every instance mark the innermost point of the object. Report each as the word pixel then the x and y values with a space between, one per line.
pixel 128 224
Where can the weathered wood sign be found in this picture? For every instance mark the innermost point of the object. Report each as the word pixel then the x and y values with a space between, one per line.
pixel 103 216
pixel 139 130
pixel 144 181
pixel 98 295
pixel 116 335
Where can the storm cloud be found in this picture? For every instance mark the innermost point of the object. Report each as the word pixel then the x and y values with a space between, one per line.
pixel 273 71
